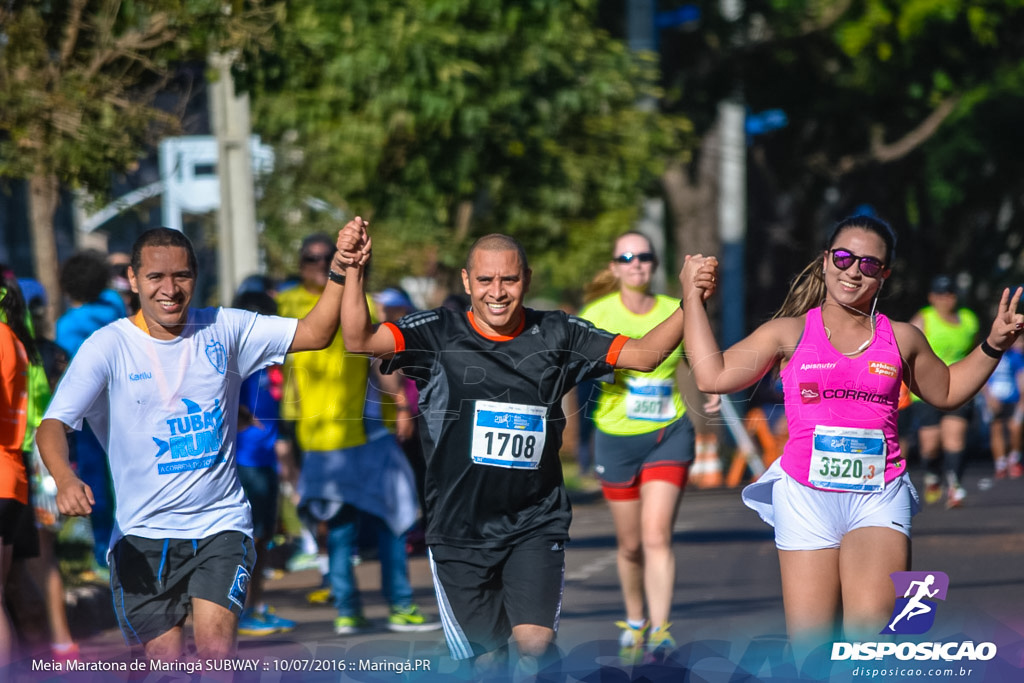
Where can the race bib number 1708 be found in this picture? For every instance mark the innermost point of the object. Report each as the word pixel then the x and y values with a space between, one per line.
pixel 508 434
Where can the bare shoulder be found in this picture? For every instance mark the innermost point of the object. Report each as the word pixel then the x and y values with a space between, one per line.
pixel 908 335
pixel 785 331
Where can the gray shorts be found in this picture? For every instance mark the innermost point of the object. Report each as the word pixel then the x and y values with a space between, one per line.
pixel 154 580
pixel 622 460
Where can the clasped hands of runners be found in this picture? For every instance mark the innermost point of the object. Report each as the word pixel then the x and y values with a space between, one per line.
pixel 354 243
pixel 699 276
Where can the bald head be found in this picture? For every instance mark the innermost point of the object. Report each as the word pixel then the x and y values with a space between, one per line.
pixel 497 242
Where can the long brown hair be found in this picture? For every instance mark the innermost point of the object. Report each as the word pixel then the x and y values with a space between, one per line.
pixel 808 288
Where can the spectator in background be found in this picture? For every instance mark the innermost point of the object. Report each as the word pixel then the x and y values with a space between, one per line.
pixel 84 279
pixel 322 406
pixel 1003 404
pixel 118 263
pixel 43 569
pixel 392 304
pixel 952 332
pixel 17 349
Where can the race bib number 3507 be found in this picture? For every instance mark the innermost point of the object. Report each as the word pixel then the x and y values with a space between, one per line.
pixel 508 434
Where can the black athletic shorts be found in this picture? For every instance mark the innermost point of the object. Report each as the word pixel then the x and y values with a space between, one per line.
pixel 483 592
pixel 18 528
pixel 154 580
pixel 928 415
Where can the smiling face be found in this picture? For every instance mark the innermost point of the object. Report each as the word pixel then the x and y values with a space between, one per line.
pixel 496 284
pixel 849 286
pixel 636 274
pixel 165 283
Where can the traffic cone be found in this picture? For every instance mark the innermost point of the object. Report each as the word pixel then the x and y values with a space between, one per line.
pixel 706 471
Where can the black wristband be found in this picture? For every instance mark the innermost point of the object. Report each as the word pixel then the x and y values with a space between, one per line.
pixel 990 350
pixel 336 277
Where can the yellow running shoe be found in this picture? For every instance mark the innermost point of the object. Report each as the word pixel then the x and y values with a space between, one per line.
pixel 661 642
pixel 320 596
pixel 631 642
pixel 932 489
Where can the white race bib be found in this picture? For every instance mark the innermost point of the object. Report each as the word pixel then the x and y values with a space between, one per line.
pixel 508 434
pixel 650 399
pixel 848 459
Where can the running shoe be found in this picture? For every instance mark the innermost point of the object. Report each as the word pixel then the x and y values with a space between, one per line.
pixel 320 596
pixel 631 642
pixel 660 642
pixel 347 626
pixel 280 623
pixel 407 619
pixel 302 562
pixel 932 489
pixel 252 623
pixel 1015 470
pixel 955 497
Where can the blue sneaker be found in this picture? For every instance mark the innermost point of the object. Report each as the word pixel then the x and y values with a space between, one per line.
pixel 263 622
pixel 280 623
pixel 252 623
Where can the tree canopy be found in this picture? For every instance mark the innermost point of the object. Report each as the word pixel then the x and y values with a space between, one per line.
pixel 79 87
pixel 905 105
pixel 442 120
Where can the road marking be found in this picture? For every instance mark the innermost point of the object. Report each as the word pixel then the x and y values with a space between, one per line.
pixel 591 568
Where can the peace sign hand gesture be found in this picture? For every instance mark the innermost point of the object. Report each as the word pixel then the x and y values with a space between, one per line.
pixel 1008 323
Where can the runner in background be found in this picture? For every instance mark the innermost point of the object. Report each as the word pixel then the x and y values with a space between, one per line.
pixel 952 332
pixel 643 448
pixel 1004 405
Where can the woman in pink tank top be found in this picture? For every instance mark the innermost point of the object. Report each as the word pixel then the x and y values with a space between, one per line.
pixel 841 474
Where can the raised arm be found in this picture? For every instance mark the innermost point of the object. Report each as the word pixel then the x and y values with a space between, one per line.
pixel 358 332
pixel 647 352
pixel 742 364
pixel 317 329
pixel 947 387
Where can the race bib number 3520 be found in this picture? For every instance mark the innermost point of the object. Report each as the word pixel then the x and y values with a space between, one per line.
pixel 508 434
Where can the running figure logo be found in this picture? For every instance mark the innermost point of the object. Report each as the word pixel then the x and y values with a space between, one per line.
pixel 914 613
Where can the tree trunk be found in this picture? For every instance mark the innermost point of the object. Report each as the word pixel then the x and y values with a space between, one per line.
pixel 692 196
pixel 44 191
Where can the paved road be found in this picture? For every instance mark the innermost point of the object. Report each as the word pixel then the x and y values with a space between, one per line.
pixel 727 614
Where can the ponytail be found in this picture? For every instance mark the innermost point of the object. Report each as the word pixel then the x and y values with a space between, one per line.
pixel 603 284
pixel 806 291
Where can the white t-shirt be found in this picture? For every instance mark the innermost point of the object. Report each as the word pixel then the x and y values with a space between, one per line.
pixel 166 412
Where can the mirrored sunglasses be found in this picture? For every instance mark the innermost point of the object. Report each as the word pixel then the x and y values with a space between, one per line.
pixel 868 265
pixel 643 257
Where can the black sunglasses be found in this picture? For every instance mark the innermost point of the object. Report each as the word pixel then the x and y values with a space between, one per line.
pixel 868 265
pixel 317 258
pixel 643 257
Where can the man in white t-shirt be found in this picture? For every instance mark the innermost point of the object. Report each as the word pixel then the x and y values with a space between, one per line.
pixel 161 391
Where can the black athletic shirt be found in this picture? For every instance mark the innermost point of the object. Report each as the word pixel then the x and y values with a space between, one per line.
pixel 498 400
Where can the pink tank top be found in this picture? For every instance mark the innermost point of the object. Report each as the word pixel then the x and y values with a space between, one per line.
pixel 842 411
